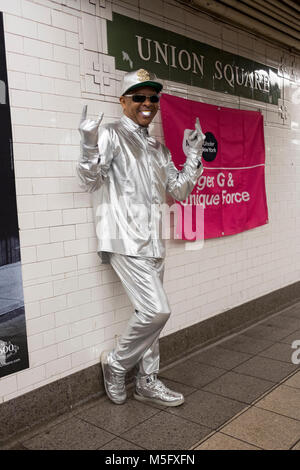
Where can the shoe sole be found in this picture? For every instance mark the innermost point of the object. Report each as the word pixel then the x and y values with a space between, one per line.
pixel 157 402
pixel 103 361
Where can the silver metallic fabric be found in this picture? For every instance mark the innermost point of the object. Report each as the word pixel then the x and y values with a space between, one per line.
pixel 151 389
pixel 129 173
pixel 142 279
pixel 114 383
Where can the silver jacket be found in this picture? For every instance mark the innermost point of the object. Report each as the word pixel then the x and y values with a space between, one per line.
pixel 129 174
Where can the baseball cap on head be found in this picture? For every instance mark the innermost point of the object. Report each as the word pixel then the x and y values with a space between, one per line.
pixel 139 78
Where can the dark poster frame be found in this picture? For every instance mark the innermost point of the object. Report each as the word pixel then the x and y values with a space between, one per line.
pixel 13 337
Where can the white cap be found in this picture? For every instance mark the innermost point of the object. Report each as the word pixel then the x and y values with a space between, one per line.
pixel 139 78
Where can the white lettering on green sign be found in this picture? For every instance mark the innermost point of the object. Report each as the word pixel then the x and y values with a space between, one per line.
pixel 148 49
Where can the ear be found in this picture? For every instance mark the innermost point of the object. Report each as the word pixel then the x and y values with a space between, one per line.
pixel 122 101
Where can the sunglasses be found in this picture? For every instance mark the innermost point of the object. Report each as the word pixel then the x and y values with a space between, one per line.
pixel 141 98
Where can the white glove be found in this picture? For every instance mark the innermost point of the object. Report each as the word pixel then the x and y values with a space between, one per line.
pixel 193 139
pixel 88 129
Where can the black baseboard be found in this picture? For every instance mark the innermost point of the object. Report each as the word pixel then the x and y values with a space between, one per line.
pixel 39 406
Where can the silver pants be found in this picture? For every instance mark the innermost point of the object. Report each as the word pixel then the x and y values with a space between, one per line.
pixel 142 280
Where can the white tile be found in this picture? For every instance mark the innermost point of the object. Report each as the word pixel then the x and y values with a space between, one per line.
pixel 36 270
pixel 20 26
pixel 37 48
pixel 31 203
pixel 50 251
pixel 74 216
pixel 11 7
pixel 64 21
pixel 36 12
pixel 8 384
pixel 58 234
pixel 65 286
pixel 76 247
pixel 43 151
pixel 64 265
pixel 26 221
pixel 60 201
pixel 56 367
pixel 70 346
pixel 51 34
pixel 50 68
pixel 45 186
pixel 43 356
pixel 53 305
pixel 28 254
pixel 14 43
pixel 65 55
pixel 72 40
pixel 38 292
pixel 67 87
pixel 79 298
pixel 23 186
pixel 30 376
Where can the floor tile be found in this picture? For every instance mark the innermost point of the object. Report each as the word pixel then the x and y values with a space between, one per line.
pixel 72 434
pixel 222 358
pixel 296 446
pixel 165 431
pixel 239 387
pixel 293 311
pixel 264 429
pixel 208 409
pixel 288 323
pixel 117 418
pixel 289 339
pixel 178 387
pixel 265 368
pixel 278 351
pixel 294 381
pixel 120 444
pixel 221 441
pixel 246 344
pixel 283 400
pixel 192 373
pixel 270 333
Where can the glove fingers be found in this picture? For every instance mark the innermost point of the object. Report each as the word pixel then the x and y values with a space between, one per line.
pixel 100 117
pixel 84 113
pixel 199 129
pixel 193 135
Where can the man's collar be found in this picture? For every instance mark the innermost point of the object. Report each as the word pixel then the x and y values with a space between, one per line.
pixel 130 124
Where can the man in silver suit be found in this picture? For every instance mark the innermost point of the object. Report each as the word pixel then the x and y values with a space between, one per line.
pixel 129 173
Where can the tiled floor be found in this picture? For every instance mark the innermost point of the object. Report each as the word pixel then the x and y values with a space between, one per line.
pixel 242 393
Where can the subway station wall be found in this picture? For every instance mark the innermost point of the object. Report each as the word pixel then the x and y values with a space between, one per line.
pixel 57 60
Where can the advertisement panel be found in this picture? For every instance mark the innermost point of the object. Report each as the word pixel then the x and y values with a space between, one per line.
pixel 13 338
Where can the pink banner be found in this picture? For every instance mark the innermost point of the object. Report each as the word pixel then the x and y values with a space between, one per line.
pixel 231 190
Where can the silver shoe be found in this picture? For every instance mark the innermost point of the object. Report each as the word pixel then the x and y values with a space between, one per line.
pixel 114 383
pixel 150 389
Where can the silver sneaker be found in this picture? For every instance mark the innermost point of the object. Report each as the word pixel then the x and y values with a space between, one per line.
pixel 114 383
pixel 150 389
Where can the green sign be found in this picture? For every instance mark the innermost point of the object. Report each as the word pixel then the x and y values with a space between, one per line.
pixel 171 56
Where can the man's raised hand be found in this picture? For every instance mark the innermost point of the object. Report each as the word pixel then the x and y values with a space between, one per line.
pixel 196 137
pixel 88 128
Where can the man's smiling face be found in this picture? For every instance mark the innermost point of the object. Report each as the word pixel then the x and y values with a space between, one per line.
pixel 141 113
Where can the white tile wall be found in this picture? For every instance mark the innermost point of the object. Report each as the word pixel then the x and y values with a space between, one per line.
pixel 74 306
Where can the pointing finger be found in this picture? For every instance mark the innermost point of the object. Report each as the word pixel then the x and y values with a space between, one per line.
pixel 198 128
pixel 84 113
pixel 100 117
